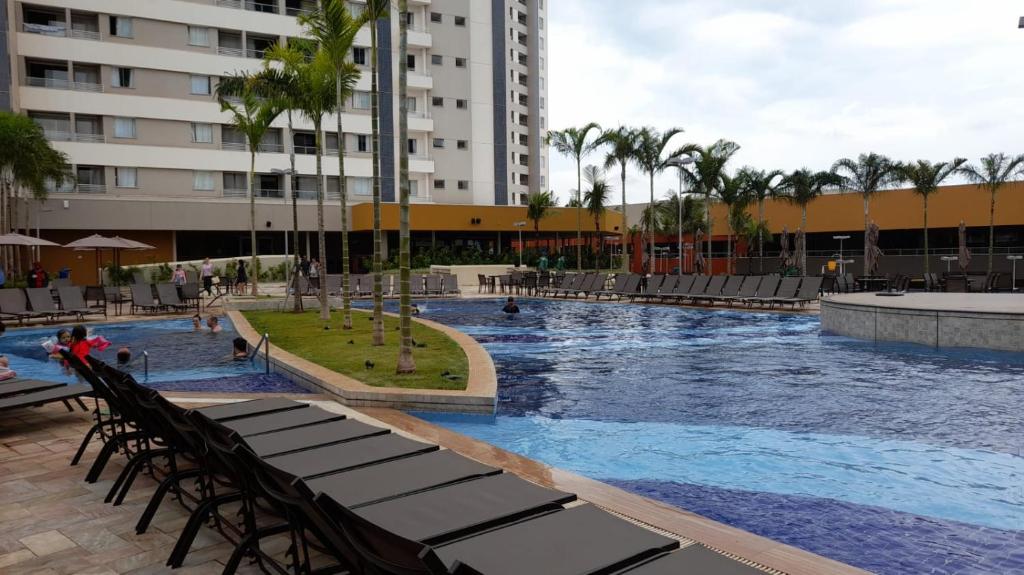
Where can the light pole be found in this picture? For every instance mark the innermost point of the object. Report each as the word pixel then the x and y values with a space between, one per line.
pixel 287 173
pixel 679 163
pixel 842 262
pixel 1013 275
pixel 520 226
pixel 948 259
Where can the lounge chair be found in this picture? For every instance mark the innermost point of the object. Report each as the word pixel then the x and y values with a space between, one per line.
pixel 142 299
pixel 810 287
pixel 697 288
pixel 565 284
pixel 747 290
pixel 168 295
pixel 682 286
pixel 433 285
pixel 667 286
pixel 766 289
pixel 693 559
pixel 417 285
pixel 13 304
pixel 450 284
pixel 12 387
pixel 334 284
pixel 620 283
pixel 41 300
pixel 72 302
pixel 713 289
pixel 577 281
pixel 37 397
pixel 787 289
pixel 730 289
pixel 653 285
pixel 596 283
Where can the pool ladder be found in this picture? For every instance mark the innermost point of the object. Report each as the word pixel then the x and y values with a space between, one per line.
pixel 265 342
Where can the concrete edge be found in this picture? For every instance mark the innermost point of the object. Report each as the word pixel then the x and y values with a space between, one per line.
pixel 479 396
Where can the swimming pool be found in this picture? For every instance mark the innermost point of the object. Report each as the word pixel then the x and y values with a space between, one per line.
pixel 893 458
pixel 179 358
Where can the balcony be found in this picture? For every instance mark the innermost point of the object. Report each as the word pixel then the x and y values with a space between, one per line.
pixel 233 146
pixel 91 188
pixel 299 7
pixel 62 84
pixel 266 6
pixel 270 148
pixel 269 193
pixel 235 193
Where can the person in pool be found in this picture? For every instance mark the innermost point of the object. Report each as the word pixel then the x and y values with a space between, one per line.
pixel 510 306
pixel 414 309
pixel 81 344
pixel 5 364
pixel 213 323
pixel 240 349
pixel 197 323
pixel 124 355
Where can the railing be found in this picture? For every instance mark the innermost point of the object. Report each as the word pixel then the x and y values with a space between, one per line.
pixel 83 34
pixel 270 148
pixel 233 146
pixel 45 29
pixel 58 136
pixel 95 138
pixel 255 53
pixel 305 194
pixel 60 84
pixel 332 196
pixel 235 193
pixel 305 150
pixel 269 193
pixel 253 5
pixel 234 52
pixel 331 152
pixel 92 188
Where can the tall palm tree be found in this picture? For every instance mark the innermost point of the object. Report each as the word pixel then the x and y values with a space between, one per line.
pixel 801 187
pixel 993 172
pixel 252 118
pixel 866 175
pixel 537 208
pixel 375 11
pixel 622 147
pixel 334 30
pixel 926 178
pixel 760 185
pixel 731 194
pixel 594 199
pixel 650 155
pixel 29 162
pixel 406 364
pixel 705 178
pixel 573 142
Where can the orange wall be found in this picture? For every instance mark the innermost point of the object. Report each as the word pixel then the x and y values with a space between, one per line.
pixel 893 210
pixel 442 218
pixel 83 263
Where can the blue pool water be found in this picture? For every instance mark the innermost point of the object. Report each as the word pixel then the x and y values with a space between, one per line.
pixel 179 358
pixel 894 458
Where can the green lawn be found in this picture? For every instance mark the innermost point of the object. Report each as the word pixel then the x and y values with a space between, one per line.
pixel 347 351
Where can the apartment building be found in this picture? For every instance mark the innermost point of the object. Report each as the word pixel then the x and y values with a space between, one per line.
pixel 125 88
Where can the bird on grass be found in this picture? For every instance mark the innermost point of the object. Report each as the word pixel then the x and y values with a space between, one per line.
pixel 351 342
pixel 369 364
pixel 450 376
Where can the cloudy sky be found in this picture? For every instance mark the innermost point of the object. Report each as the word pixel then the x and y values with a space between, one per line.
pixel 795 82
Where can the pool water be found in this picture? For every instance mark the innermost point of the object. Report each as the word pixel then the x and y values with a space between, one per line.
pixel 893 458
pixel 180 359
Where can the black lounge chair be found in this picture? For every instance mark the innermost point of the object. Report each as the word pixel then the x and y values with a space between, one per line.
pixel 653 285
pixel 679 290
pixel 693 559
pixel 578 281
pixel 13 387
pixel 417 284
pixel 713 289
pixel 63 393
pixel 697 288
pixel 350 455
pixel 281 420
pixel 632 287
pixel 168 295
pixel 142 299
pixel 810 287
pixel 41 301
pixel 596 283
pixel 747 290
pixel 13 304
pixel 620 283
pixel 450 284
pixel 433 284
pixel 787 289
pixel 73 302
pixel 766 289
pixel 565 284
pixel 730 289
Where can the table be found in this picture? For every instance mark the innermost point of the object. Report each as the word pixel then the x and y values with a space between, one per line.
pixel 873 283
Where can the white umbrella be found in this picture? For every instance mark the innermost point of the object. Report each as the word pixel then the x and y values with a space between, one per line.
pixel 23 240
pixel 98 242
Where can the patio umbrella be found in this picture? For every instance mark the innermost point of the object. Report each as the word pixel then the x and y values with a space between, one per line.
pixel 801 249
pixel 874 254
pixel 964 256
pixel 23 240
pixel 98 243
pixel 784 254
pixel 698 258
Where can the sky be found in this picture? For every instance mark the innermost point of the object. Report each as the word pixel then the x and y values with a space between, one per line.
pixel 797 83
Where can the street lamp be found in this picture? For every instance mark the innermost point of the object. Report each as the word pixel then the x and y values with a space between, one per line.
pixel 520 226
pixel 295 219
pixel 842 262
pixel 1013 281
pixel 948 259
pixel 679 163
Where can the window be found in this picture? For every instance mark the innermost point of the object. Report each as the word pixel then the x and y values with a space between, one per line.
pixel 236 181
pixel 463 184
pixel 437 101
pixel 362 143
pixel 414 188
pixel 412 146
pixel 460 62
pixel 126 177
pixel 202 181
pixel 198 36
pixel 361 100
pixel 461 104
pixel 435 17
pixel 462 144
pixel 200 85
pixel 438 184
pixel 541 22
pixel 359 56
pixel 123 78
pixel 436 59
pixel 438 142
pixel 124 127
pixel 410 105
pixel 202 133
pixel 410 61
pixel 121 26
pixel 361 186
pixel 410 19
pixel 460 20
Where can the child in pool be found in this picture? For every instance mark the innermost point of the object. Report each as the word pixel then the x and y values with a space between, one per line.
pixel 5 364
pixel 82 344
pixel 240 349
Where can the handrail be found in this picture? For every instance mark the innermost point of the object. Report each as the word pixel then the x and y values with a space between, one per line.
pixel 265 342
pixel 145 364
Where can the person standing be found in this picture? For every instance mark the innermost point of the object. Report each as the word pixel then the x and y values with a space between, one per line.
pixel 241 278
pixel 37 277
pixel 314 273
pixel 179 279
pixel 206 271
pixel 304 266
pixel 560 263
pixel 542 264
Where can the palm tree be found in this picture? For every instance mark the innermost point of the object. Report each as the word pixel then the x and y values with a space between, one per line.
pixel 622 143
pixel 801 187
pixel 649 155
pixel 334 30
pixel 572 142
pixel 866 175
pixel 926 178
pixel 253 118
pixel 406 364
pixel 760 185
pixel 27 161
pixel 537 208
pixel 706 176
pixel 994 172
pixel 731 194
pixel 594 200
pixel 375 11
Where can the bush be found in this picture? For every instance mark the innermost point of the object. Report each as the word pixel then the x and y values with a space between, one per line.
pixel 161 273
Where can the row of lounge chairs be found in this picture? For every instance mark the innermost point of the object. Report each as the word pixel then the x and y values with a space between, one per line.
pixel 763 291
pixel 166 299
pixel 368 500
pixel 25 304
pixel 361 285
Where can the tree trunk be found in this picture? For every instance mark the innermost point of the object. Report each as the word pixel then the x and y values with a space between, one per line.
pixel 3 221
pixel 650 228
pixel 406 363
pixel 867 271
pixel 991 229
pixel 297 307
pixel 346 297
pixel 579 216
pixel 321 237
pixel 760 236
pixel 707 214
pixel 378 287
pixel 926 263
pixel 625 226
pixel 803 252
pixel 253 270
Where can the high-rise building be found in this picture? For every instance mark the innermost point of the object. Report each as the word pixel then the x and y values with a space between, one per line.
pixel 125 88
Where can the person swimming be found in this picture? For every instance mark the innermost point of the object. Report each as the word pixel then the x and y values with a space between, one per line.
pixel 414 309
pixel 213 323
pixel 197 323
pixel 240 350
pixel 124 355
pixel 510 307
